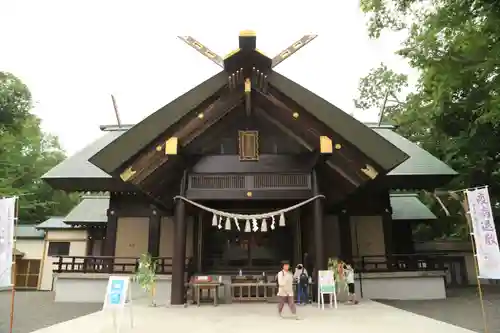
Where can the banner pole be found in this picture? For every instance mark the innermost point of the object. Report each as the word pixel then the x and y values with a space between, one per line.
pixel 465 206
pixel 14 266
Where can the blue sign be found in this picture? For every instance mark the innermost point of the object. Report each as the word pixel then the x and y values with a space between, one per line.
pixel 117 292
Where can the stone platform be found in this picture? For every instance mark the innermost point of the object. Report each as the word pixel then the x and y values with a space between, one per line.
pixel 365 317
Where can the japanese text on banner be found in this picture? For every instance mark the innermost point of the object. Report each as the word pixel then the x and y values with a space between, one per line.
pixel 485 237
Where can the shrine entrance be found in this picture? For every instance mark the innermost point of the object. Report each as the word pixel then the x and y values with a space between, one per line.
pixel 228 251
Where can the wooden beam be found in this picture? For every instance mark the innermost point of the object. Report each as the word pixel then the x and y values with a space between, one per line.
pixel 345 158
pixel 267 116
pixel 185 132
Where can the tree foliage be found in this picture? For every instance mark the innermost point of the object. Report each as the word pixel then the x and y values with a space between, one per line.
pixel 26 153
pixel 454 110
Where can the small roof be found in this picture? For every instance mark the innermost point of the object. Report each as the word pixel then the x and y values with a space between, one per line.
pixel 76 173
pixel 18 253
pixel 55 222
pixel 92 209
pixel 407 206
pixel 29 231
pixel 421 162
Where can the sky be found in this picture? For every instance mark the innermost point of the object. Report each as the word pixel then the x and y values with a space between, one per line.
pixel 74 54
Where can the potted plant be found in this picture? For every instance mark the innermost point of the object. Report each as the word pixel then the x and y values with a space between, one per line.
pixel 145 276
pixel 337 266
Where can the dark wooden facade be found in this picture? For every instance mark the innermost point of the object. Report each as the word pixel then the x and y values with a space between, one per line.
pixel 248 140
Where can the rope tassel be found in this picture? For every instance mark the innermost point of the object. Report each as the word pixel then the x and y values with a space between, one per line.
pixel 255 226
pixel 247 226
pixel 282 220
pixel 228 224
pixel 263 226
pixel 214 221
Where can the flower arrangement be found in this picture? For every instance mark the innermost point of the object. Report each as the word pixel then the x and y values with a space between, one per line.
pixel 145 275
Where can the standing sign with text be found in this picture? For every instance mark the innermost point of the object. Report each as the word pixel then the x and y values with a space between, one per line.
pixel 117 292
pixel 326 286
pixel 118 295
pixel 326 282
pixel 484 232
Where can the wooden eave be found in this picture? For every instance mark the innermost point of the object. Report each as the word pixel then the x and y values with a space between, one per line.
pixel 112 157
pixel 381 151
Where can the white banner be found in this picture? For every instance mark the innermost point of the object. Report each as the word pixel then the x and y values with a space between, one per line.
pixel 485 236
pixel 7 223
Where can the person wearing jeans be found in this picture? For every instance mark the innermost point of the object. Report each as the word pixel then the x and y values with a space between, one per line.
pixel 301 277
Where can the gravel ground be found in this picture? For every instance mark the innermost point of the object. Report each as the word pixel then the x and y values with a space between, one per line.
pixel 36 309
pixel 461 308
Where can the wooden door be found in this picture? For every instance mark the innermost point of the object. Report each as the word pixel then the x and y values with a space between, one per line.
pixel 27 273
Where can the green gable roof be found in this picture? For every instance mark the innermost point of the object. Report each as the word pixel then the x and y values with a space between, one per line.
pixel 420 162
pixel 407 206
pixel 29 231
pixel 92 209
pixel 55 222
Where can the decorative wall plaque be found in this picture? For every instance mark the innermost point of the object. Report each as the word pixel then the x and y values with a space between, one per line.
pixel 249 145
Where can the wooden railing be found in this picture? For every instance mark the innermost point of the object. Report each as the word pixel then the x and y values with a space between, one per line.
pixel 402 262
pixel 103 264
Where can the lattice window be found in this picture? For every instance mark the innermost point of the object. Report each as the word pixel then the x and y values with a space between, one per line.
pixel 217 182
pixel 281 181
pixel 249 145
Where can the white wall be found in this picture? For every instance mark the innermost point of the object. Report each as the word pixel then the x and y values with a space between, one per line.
pixel 32 248
pixel 78 247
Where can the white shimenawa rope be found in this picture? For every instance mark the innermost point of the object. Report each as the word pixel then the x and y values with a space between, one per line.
pixel 249 217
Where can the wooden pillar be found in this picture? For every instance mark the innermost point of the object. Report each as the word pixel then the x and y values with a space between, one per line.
pixel 319 248
pixel 388 241
pixel 345 236
pixel 154 234
pixel 199 242
pixel 110 241
pixel 111 229
pixel 179 254
pixel 91 235
pixel 297 238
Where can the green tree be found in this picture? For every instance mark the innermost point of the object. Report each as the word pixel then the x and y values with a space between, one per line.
pixel 454 110
pixel 26 153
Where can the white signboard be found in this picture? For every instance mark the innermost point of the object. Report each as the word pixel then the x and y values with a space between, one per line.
pixel 485 236
pixel 118 294
pixel 7 222
pixel 326 286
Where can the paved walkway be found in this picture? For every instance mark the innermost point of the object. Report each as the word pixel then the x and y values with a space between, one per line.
pixel 34 310
pixel 461 307
pixel 368 316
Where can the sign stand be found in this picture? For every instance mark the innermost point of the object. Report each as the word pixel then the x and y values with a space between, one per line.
pixel 118 296
pixel 326 286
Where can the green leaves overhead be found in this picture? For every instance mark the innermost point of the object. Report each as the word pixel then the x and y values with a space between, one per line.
pixel 454 109
pixel 26 153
